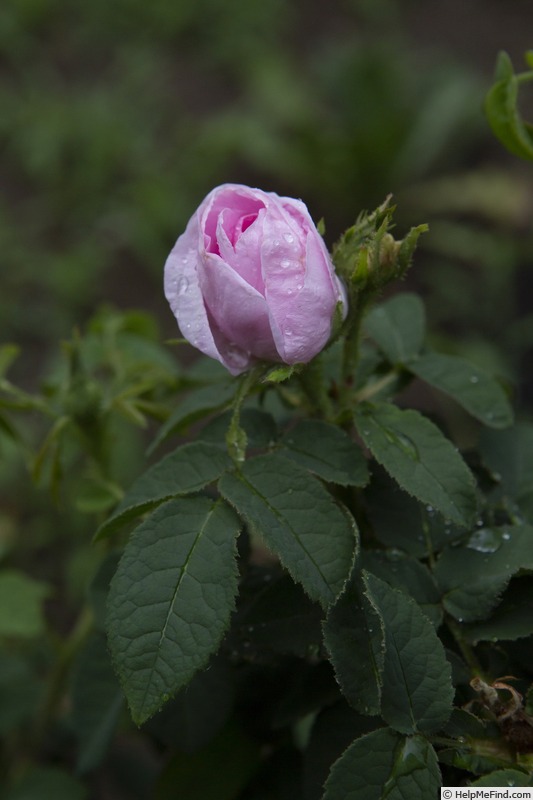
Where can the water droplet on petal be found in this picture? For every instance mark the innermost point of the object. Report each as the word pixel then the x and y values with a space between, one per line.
pixel 474 379
pixel 285 263
pixel 289 291
pixel 182 285
pixel 288 238
pixel 299 286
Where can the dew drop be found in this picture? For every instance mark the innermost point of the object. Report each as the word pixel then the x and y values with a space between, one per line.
pixel 474 379
pixel 182 285
pixel 188 326
pixel 288 238
pixel 288 332
pixel 285 263
pixel 506 536
pixel 430 509
pixel 299 286
pixel 485 540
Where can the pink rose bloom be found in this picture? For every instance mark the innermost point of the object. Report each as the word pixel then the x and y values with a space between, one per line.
pixel 251 279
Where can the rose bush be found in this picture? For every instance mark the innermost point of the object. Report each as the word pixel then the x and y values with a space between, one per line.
pixel 250 279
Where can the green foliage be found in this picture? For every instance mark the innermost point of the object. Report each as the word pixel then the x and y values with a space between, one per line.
pixel 385 764
pixel 418 456
pixel 298 519
pixel 179 562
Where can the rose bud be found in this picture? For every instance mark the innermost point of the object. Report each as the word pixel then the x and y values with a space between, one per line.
pixel 251 280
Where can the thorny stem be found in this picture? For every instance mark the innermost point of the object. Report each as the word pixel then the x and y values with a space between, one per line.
pixel 236 439
pixel 352 343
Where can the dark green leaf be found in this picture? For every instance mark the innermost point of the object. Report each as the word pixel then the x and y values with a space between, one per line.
pixel 401 522
pixel 171 599
pixel 218 772
pixel 407 574
pixel 417 455
pixel 478 393
pixel 97 701
pixel 398 326
pixel 298 519
pixel 509 455
pixel 327 451
pixel 417 690
pixel 354 637
pixel 188 469
pixel 504 777
pixel 334 728
pixel 473 575
pixel 385 765
pixel 512 619
pixel 198 404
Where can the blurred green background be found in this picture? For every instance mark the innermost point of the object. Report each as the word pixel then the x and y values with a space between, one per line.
pixel 117 116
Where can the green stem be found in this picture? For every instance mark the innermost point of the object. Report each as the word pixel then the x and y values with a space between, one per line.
pixel 467 651
pixel 236 439
pixel 312 382
pixel 59 673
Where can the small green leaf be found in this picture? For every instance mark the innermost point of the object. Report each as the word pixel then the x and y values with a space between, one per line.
pixel 417 689
pixel 354 637
pixel 21 600
pixel 398 327
pixel 501 108
pixel 418 456
pixel 512 619
pixel 280 374
pixel 383 764
pixel 171 598
pixel 185 471
pixel 298 519
pixel 327 451
pixel 472 575
pixel 478 393
pixel 198 404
